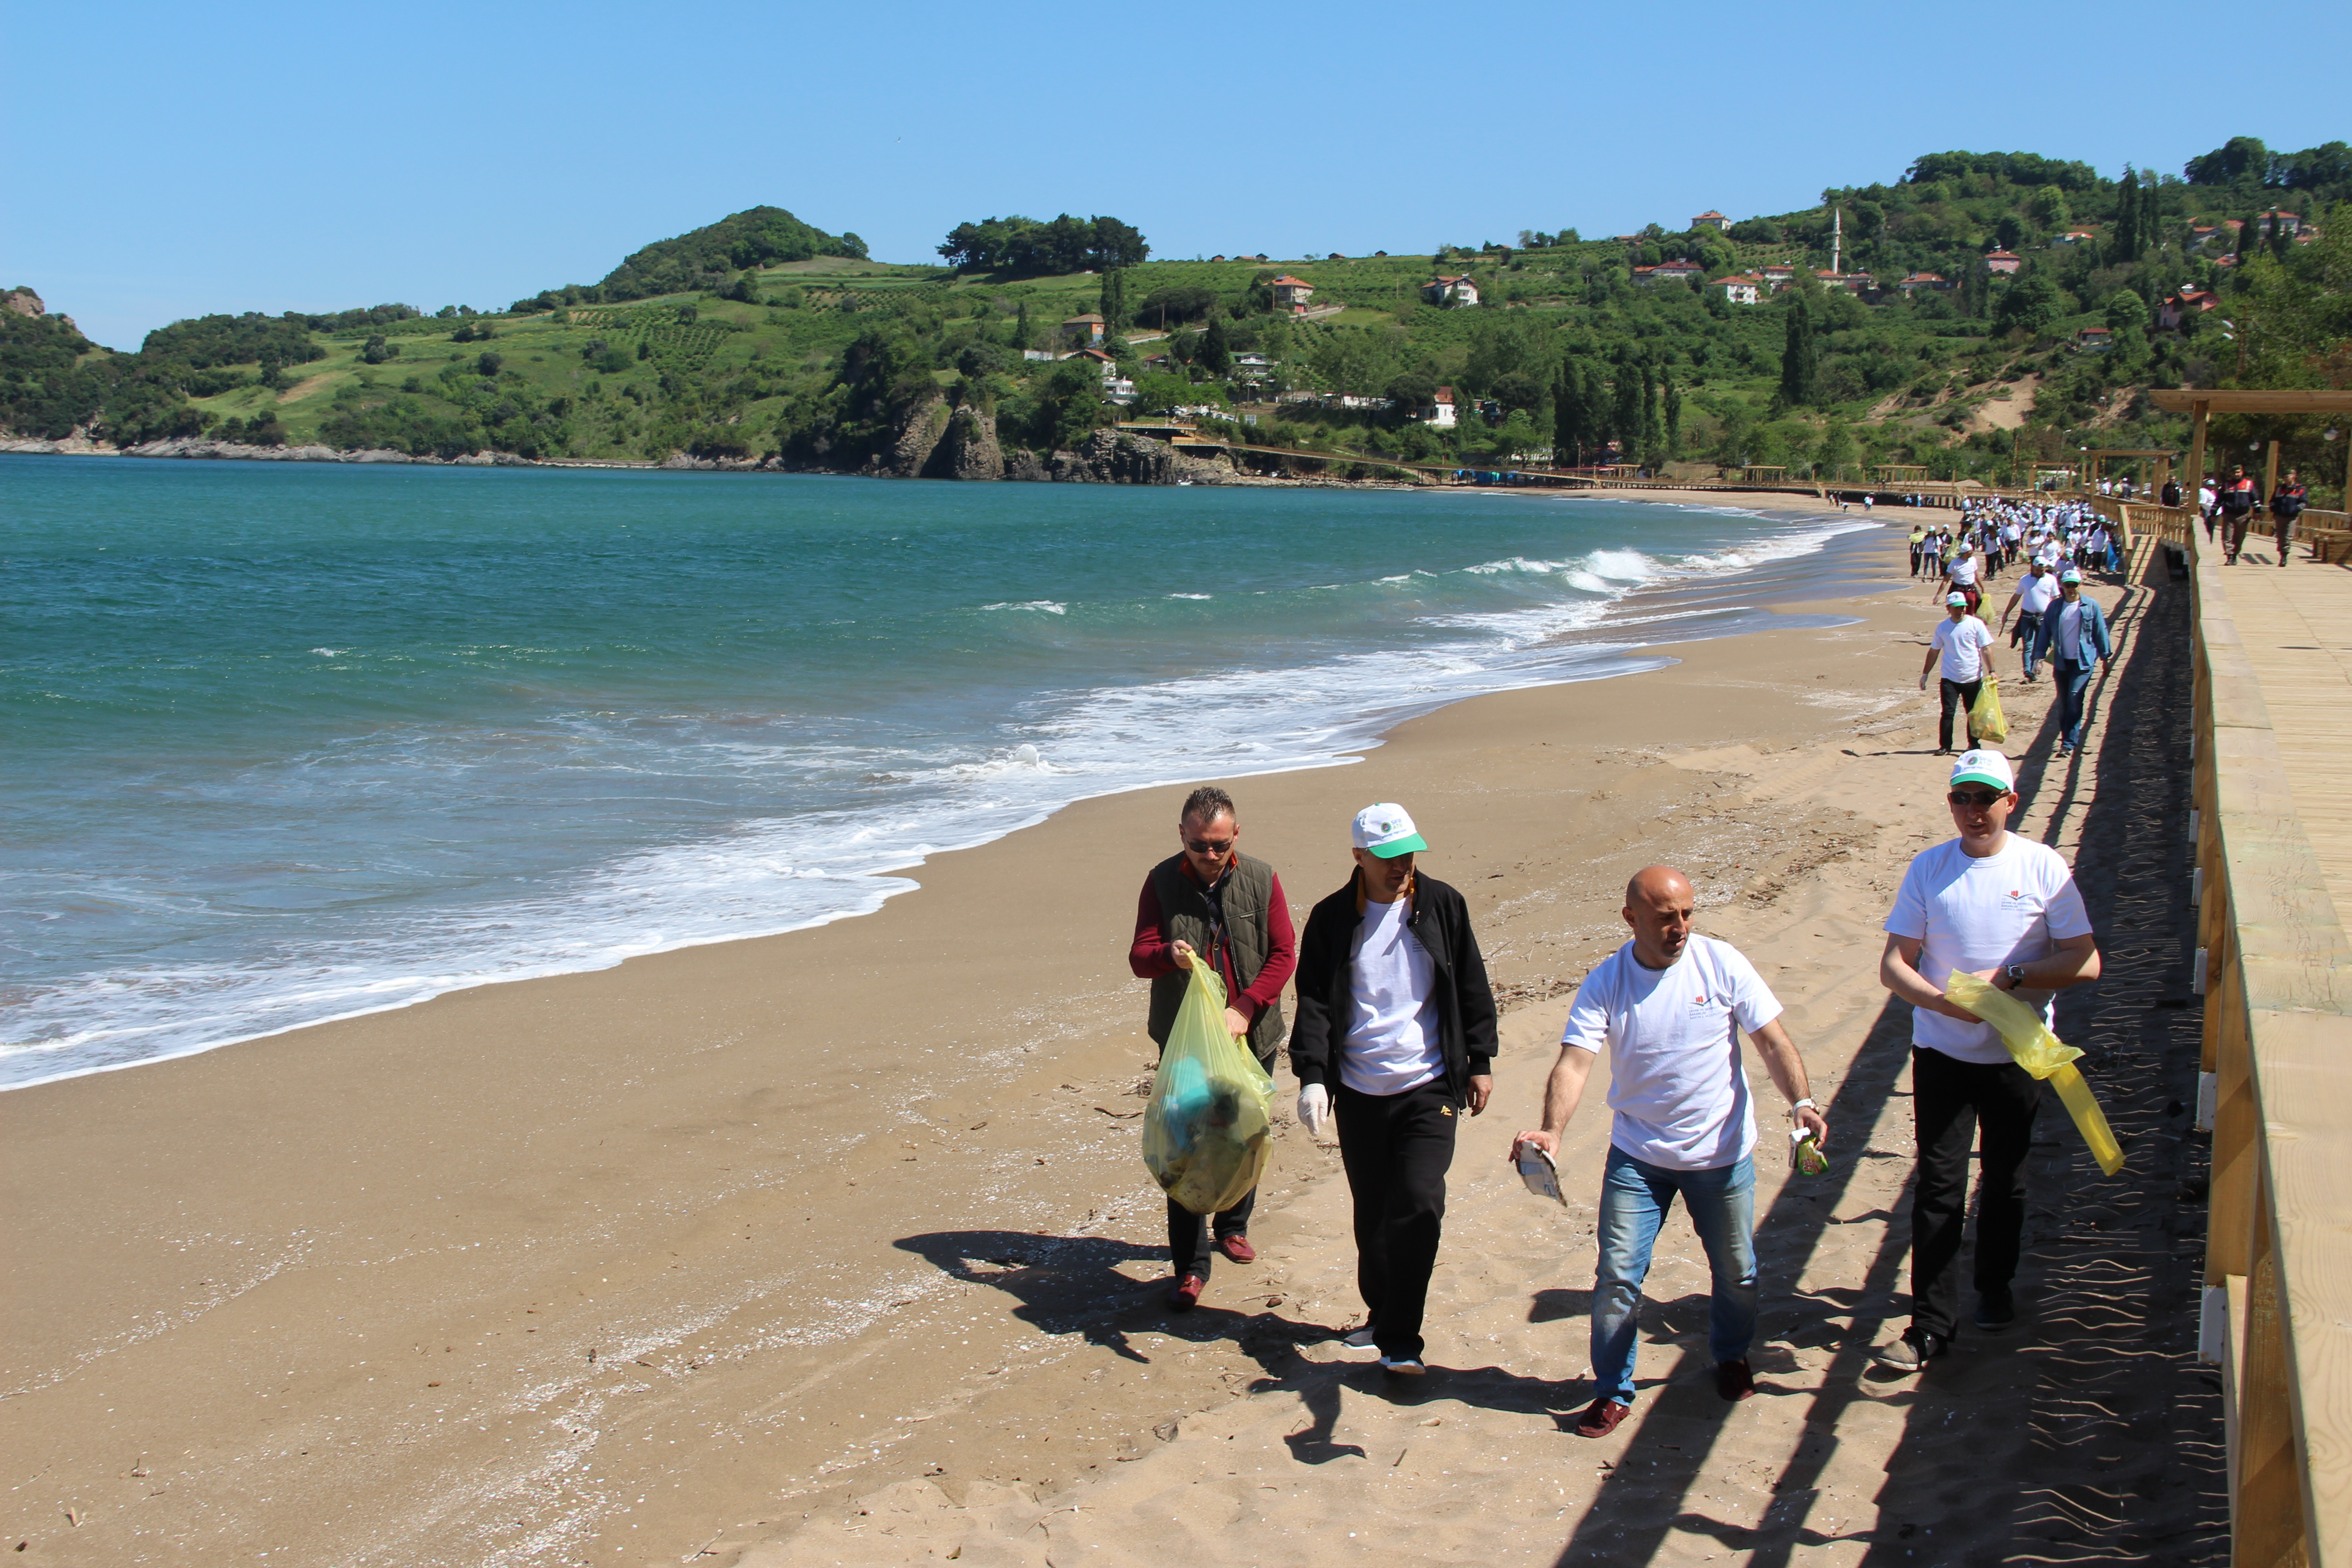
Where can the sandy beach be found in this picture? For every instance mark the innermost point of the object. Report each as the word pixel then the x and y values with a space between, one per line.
pixel 836 1246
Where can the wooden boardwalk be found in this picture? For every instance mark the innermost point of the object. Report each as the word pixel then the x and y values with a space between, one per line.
pixel 2295 627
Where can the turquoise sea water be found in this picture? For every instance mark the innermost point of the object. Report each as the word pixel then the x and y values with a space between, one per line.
pixel 288 742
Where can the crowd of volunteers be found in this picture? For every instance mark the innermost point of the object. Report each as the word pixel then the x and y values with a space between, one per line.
pixel 1394 1036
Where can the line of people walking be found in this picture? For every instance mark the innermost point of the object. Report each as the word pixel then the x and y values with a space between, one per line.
pixel 1395 1037
pixel 2229 511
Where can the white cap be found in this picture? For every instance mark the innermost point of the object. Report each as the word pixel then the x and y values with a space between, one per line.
pixel 1957 601
pixel 1985 766
pixel 1386 830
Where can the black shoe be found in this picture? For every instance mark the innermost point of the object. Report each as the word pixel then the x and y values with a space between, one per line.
pixel 1913 1351
pixel 1996 1311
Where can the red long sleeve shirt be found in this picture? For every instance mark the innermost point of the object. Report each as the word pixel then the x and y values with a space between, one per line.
pixel 1154 954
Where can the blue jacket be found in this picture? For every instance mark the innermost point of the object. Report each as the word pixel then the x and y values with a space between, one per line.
pixel 2095 619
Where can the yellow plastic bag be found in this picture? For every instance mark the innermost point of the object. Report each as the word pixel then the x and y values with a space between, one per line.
pixel 1985 721
pixel 1208 1129
pixel 2033 1047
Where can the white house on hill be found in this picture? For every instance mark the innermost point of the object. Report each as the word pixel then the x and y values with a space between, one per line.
pixel 1445 289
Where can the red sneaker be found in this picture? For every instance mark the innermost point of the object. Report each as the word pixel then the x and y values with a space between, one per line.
pixel 1603 1418
pixel 1237 1247
pixel 1733 1380
pixel 1187 1293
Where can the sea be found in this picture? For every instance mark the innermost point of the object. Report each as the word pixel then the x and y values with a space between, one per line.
pixel 285 743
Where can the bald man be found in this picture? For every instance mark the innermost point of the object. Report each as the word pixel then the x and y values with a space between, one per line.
pixel 1670 1006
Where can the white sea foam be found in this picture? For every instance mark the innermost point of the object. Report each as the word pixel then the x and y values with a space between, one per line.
pixel 803 867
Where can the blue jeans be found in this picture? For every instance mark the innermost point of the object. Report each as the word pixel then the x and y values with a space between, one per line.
pixel 2074 688
pixel 1634 1199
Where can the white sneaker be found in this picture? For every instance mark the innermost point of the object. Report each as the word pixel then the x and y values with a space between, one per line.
pixel 1359 1339
pixel 1401 1366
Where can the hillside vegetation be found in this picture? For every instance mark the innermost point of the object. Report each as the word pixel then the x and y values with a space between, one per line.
pixel 762 338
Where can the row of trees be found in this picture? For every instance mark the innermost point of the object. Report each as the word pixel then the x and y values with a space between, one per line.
pixel 1024 247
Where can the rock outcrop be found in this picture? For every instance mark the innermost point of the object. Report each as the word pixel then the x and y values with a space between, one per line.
pixel 1122 457
pixel 925 428
pixel 969 450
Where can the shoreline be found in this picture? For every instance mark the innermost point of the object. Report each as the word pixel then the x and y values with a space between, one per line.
pixel 885 883
pixel 689 1253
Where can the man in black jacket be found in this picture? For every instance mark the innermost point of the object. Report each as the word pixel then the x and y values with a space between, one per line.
pixel 1395 1033
pixel 2238 497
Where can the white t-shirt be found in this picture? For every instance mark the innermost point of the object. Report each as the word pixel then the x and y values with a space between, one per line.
pixel 1962 571
pixel 1962 643
pixel 1974 914
pixel 1673 1035
pixel 2034 593
pixel 1392 1039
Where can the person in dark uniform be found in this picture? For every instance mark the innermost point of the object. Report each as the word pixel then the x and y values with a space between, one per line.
pixel 2238 497
pixel 1210 903
pixel 2286 504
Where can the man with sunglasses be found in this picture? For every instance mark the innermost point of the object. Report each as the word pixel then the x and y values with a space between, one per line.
pixel 2005 910
pixel 1210 903
pixel 1395 1036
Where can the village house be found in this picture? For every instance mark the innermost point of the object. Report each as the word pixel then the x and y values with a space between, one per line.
pixel 1737 289
pixel 2002 261
pixel 1116 387
pixel 1445 289
pixel 2288 222
pixel 1084 329
pixel 1918 280
pixel 1292 293
pixel 2075 237
pixel 1778 276
pixel 1441 413
pixel 2178 308
pixel 2095 338
pixel 1713 220
pixel 1669 272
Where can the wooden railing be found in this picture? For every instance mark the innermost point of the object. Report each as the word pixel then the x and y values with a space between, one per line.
pixel 2276 968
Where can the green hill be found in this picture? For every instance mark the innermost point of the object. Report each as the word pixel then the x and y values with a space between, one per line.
pixel 758 339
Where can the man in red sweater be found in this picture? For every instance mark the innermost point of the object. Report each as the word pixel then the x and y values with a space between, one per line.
pixel 1210 903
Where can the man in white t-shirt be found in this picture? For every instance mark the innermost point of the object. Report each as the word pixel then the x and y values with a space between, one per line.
pixel 1961 642
pixel 1669 1007
pixel 2036 592
pixel 2005 910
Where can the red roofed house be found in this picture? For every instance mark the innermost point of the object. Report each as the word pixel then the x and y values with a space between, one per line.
pixel 2181 306
pixel 1668 272
pixel 2002 261
pixel 1441 413
pixel 1918 280
pixel 2076 236
pixel 1447 289
pixel 1737 289
pixel 1778 276
pixel 2093 338
pixel 1711 220
pixel 1292 291
pixel 1088 328
pixel 2288 221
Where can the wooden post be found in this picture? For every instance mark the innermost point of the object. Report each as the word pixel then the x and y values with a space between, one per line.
pixel 2270 473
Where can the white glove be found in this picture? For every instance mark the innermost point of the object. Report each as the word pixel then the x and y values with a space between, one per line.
pixel 1314 1109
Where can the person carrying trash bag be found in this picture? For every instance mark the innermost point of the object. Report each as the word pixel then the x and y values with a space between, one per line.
pixel 1207 1134
pixel 2005 910
pixel 1395 1039
pixel 1210 901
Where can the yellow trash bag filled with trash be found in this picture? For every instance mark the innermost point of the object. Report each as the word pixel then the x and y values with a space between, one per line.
pixel 1986 720
pixel 2033 1047
pixel 1209 1128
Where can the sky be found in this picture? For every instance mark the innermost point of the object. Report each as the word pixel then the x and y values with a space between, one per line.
pixel 170 161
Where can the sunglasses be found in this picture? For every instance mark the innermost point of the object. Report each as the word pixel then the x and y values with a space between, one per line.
pixel 1980 799
pixel 1208 845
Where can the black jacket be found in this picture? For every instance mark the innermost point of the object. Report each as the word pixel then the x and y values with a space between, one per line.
pixel 1440 921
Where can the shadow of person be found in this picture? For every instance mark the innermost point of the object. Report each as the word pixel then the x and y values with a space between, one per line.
pixel 1072 1285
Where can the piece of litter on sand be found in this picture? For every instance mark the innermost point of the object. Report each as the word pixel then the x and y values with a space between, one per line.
pixel 1399 1459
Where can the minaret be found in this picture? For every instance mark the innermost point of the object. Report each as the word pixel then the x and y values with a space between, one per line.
pixel 1837 240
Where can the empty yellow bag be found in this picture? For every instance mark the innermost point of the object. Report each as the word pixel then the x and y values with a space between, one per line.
pixel 2033 1047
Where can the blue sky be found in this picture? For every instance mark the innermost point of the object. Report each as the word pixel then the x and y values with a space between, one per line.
pixel 171 160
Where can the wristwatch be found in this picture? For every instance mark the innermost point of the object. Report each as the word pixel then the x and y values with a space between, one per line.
pixel 2016 975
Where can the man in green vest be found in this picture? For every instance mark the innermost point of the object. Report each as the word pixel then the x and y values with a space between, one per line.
pixel 1210 903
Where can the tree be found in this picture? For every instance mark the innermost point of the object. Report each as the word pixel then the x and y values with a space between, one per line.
pixel 1653 431
pixel 1625 407
pixel 1025 246
pixel 1216 354
pixel 1673 419
pixel 1837 450
pixel 1113 306
pixel 1800 363
pixel 489 363
pixel 1412 394
pixel 2127 217
pixel 2031 304
pixel 2126 312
